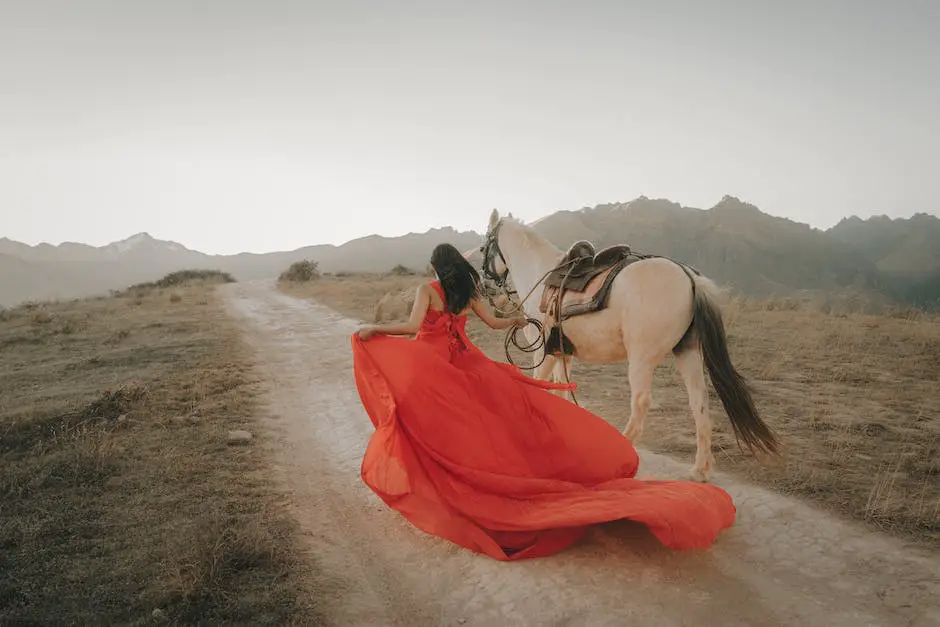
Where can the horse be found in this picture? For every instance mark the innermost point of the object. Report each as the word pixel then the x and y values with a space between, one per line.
pixel 648 306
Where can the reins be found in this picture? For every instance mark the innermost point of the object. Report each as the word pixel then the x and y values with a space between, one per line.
pixel 539 343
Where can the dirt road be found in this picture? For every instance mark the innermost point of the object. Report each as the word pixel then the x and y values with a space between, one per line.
pixel 783 563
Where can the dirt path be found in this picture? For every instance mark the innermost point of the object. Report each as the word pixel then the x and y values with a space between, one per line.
pixel 783 563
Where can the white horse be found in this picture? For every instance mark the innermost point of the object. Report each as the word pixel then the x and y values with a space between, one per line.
pixel 656 306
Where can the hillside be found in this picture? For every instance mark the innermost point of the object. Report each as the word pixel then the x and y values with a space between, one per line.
pixel 733 242
pixel 905 251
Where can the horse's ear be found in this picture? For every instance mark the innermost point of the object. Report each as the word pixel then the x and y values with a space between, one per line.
pixel 494 218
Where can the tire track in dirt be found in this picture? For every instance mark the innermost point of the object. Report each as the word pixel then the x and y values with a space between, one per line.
pixel 783 563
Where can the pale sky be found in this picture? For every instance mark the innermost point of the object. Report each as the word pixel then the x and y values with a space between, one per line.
pixel 230 125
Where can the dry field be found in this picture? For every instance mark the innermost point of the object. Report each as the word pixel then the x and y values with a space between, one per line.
pixel 121 501
pixel 855 399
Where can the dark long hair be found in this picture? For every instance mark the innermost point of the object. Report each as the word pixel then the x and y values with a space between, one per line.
pixel 459 279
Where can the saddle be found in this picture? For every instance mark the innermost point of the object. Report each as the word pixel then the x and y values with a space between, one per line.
pixel 580 285
pixel 582 263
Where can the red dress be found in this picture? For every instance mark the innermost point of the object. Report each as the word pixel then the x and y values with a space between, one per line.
pixel 475 451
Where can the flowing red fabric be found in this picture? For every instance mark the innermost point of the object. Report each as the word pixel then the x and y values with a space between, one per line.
pixel 475 451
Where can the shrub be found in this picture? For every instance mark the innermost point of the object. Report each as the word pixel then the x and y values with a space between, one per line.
pixel 301 272
pixel 182 277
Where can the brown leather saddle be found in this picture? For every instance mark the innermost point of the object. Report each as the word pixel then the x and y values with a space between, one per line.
pixel 580 285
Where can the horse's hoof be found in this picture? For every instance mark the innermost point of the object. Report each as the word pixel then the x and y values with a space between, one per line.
pixel 699 475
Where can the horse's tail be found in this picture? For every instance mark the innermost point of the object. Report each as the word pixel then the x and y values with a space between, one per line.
pixel 733 390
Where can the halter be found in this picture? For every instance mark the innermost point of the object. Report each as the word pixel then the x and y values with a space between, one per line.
pixel 490 249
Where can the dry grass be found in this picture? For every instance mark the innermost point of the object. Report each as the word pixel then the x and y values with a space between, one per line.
pixel 354 294
pixel 121 502
pixel 855 399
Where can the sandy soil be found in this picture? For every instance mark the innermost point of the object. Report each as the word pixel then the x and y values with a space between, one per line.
pixel 783 563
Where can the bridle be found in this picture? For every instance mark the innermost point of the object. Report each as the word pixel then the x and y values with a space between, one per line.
pixel 490 250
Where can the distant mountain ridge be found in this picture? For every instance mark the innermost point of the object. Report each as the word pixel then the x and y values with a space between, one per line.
pixel 906 252
pixel 733 242
pixel 72 270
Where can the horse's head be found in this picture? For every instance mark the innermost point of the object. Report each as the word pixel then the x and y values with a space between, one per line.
pixel 494 266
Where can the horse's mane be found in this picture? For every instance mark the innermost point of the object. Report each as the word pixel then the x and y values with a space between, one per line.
pixel 529 238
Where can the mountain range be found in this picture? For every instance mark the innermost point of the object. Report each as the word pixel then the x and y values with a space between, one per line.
pixel 879 259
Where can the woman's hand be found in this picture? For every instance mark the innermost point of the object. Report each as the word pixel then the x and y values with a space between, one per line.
pixel 519 321
pixel 418 310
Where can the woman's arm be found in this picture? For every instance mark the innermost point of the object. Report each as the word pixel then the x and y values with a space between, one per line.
pixel 422 302
pixel 482 310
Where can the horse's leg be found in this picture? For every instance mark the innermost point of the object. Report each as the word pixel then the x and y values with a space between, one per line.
pixel 544 369
pixel 561 373
pixel 690 366
pixel 640 372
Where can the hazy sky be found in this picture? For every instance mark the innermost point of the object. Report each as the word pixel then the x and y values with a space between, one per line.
pixel 231 125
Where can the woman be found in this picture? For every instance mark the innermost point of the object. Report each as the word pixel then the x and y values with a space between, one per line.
pixel 475 451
